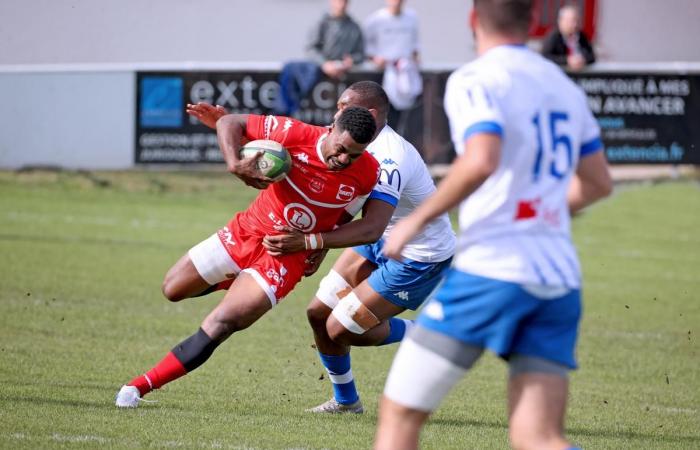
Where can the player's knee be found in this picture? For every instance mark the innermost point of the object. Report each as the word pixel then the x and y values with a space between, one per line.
pixel 338 333
pixel 317 315
pixel 170 290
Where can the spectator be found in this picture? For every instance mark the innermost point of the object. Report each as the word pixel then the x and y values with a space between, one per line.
pixel 335 45
pixel 566 45
pixel 391 35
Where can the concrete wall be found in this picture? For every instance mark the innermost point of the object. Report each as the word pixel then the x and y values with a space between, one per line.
pixel 85 31
pixel 76 120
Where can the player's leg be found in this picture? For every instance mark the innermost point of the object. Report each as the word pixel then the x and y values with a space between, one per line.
pixel 537 404
pixel 366 316
pixel 205 268
pixel 411 392
pixel 244 303
pixel 538 384
pixel 349 270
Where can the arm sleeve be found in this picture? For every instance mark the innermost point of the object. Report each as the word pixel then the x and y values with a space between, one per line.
pixel 358 46
pixel 471 108
pixel 276 128
pixel 590 139
pixel 586 48
pixel 314 45
pixel 550 51
pixel 370 32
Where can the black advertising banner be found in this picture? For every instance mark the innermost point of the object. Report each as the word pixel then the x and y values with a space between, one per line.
pixel 166 134
pixel 644 118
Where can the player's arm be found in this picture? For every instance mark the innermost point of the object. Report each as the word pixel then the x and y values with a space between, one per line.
pixel 480 159
pixel 591 182
pixel 369 228
pixel 230 130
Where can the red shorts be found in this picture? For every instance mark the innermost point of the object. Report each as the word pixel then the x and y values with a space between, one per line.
pixel 277 275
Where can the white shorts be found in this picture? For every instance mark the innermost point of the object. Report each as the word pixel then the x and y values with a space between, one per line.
pixel 212 261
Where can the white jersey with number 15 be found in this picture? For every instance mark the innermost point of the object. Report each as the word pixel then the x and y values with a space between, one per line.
pixel 516 226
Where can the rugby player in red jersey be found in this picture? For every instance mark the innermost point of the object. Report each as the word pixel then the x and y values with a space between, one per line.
pixel 331 174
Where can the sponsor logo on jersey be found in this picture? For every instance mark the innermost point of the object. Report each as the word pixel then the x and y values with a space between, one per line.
pixel 527 209
pixel 226 236
pixel 303 157
pixel 403 295
pixel 271 124
pixel 316 185
pixel 392 178
pixel 345 193
pixel 299 216
pixel 287 125
pixel 389 162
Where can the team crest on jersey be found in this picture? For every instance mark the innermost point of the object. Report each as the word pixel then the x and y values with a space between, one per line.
pixel 299 216
pixel 303 157
pixel 287 125
pixel 316 185
pixel 345 193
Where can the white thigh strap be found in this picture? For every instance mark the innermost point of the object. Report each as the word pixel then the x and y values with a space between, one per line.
pixel 354 316
pixel 411 385
pixel 332 288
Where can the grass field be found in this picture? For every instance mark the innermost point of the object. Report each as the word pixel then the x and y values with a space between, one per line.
pixel 81 312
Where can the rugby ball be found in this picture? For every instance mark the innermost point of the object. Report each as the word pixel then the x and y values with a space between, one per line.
pixel 274 163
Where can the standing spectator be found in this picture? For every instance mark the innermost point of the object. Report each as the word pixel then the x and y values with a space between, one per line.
pixel 391 36
pixel 530 156
pixel 567 45
pixel 335 45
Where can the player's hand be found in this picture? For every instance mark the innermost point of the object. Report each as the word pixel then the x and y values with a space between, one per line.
pixel 206 113
pixel 246 169
pixel 400 235
pixel 290 241
pixel 313 261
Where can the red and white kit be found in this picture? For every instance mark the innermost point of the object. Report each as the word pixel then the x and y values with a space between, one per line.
pixel 311 198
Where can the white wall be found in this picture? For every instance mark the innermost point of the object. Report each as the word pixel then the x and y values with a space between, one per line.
pixel 80 31
pixel 63 119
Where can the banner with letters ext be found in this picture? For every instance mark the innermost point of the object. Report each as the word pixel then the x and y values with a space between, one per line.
pixel 644 118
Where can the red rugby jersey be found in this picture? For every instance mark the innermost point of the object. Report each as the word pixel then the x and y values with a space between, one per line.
pixel 312 197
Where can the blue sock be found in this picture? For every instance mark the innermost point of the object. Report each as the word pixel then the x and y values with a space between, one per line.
pixel 340 373
pixel 397 330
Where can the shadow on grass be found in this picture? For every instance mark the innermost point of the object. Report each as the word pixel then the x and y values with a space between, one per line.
pixel 576 432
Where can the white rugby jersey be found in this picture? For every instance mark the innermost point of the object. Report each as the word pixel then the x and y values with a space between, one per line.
pixel 405 182
pixel 516 226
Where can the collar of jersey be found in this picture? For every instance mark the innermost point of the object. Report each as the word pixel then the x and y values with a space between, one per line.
pixel 318 147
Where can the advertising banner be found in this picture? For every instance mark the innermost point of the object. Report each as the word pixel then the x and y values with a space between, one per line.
pixel 645 118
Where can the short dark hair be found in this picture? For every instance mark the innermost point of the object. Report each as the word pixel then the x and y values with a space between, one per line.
pixel 359 122
pixel 505 16
pixel 372 94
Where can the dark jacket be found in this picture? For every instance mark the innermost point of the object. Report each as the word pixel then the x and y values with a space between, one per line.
pixel 554 48
pixel 335 37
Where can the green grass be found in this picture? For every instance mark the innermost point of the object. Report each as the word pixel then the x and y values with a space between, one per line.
pixel 81 313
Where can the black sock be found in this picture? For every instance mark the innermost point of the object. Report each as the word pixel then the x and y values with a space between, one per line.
pixel 193 351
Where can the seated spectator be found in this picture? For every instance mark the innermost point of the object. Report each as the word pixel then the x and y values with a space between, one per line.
pixel 391 38
pixel 566 45
pixel 335 46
